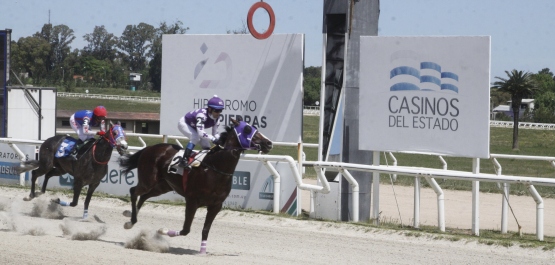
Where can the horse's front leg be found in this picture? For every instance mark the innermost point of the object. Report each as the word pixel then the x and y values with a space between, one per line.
pixel 144 193
pixel 190 210
pixel 212 211
pixel 77 186
pixel 92 188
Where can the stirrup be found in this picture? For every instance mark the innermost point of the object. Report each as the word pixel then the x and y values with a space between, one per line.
pixel 183 164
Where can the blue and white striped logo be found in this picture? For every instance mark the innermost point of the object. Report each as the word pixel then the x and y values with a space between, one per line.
pixel 428 78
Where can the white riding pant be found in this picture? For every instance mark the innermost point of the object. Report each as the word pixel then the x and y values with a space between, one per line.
pixel 192 134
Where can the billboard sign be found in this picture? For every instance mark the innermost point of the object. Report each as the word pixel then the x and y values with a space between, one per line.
pixel 259 80
pixel 425 94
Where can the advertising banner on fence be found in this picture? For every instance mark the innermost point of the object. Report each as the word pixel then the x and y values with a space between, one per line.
pixel 425 94
pixel 9 159
pixel 259 80
pixel 252 186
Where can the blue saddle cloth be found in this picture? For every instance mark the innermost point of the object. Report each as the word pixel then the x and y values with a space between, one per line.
pixel 66 146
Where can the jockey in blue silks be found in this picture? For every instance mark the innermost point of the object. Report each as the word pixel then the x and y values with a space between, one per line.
pixel 82 121
pixel 193 124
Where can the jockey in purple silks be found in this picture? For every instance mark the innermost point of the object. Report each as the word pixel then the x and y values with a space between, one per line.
pixel 193 124
pixel 81 122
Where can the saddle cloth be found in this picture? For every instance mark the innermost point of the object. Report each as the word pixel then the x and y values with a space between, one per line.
pixel 65 147
pixel 194 161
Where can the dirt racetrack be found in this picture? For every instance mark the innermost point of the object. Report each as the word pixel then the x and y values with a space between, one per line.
pixel 38 232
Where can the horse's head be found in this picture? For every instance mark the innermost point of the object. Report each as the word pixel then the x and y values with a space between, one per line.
pixel 116 138
pixel 247 137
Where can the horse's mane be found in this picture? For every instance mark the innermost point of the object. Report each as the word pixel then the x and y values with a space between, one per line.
pixel 221 141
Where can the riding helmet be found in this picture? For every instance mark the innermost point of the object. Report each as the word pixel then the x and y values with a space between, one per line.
pixel 100 111
pixel 216 103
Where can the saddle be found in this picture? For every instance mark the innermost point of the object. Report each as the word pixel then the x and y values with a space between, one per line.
pixel 66 146
pixel 194 161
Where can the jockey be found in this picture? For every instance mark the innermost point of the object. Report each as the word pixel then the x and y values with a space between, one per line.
pixel 81 122
pixel 193 123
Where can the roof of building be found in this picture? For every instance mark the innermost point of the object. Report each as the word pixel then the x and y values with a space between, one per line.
pixel 524 100
pixel 502 108
pixel 113 115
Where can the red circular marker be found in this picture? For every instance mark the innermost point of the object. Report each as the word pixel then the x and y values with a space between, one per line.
pixel 270 29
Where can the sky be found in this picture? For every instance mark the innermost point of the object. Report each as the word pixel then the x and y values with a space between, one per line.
pixel 522 32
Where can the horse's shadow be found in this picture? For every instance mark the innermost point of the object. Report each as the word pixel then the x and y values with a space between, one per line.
pixel 182 251
pixel 171 250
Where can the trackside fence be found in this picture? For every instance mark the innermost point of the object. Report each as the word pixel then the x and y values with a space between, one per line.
pixel 323 186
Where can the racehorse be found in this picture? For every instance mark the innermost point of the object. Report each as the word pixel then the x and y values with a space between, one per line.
pixel 89 169
pixel 207 185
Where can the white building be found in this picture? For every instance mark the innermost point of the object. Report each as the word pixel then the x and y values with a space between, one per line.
pixel 526 105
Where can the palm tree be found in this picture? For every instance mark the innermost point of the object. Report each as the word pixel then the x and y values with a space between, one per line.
pixel 519 85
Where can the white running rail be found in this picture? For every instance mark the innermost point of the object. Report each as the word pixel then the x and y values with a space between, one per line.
pixel 523 125
pixel 111 97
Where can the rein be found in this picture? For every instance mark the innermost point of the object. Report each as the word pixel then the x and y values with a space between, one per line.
pixel 109 137
pixel 94 157
pixel 215 169
pixel 202 163
pixel 245 142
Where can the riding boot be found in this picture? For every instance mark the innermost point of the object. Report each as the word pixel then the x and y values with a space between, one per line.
pixel 185 160
pixel 78 145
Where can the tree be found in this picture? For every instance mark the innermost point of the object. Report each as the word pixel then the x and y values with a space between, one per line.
pixel 312 85
pixel 155 70
pixel 62 37
pixel 101 44
pixel 59 37
pixel 135 43
pixel 544 100
pixel 30 55
pixel 544 108
pixel 544 80
pixel 241 30
pixel 519 85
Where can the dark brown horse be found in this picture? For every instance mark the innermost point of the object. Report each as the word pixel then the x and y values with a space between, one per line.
pixel 207 185
pixel 89 169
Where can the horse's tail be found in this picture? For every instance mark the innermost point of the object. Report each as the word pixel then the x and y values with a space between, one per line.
pixel 27 166
pixel 130 161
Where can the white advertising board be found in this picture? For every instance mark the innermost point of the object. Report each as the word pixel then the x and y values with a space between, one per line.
pixel 260 80
pixel 425 94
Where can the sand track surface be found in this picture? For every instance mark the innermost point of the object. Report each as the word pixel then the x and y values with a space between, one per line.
pixel 37 232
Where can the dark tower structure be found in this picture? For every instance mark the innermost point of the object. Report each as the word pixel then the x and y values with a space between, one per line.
pixel 344 22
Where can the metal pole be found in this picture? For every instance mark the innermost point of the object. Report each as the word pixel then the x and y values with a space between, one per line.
pixel 539 211
pixel 416 222
pixel 504 207
pixel 475 198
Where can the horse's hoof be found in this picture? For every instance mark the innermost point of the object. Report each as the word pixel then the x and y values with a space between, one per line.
pixel 163 231
pixel 127 213
pixel 27 198
pixel 129 225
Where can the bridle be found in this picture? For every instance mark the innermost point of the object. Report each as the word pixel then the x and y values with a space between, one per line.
pixel 247 132
pixel 109 137
pixel 244 133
